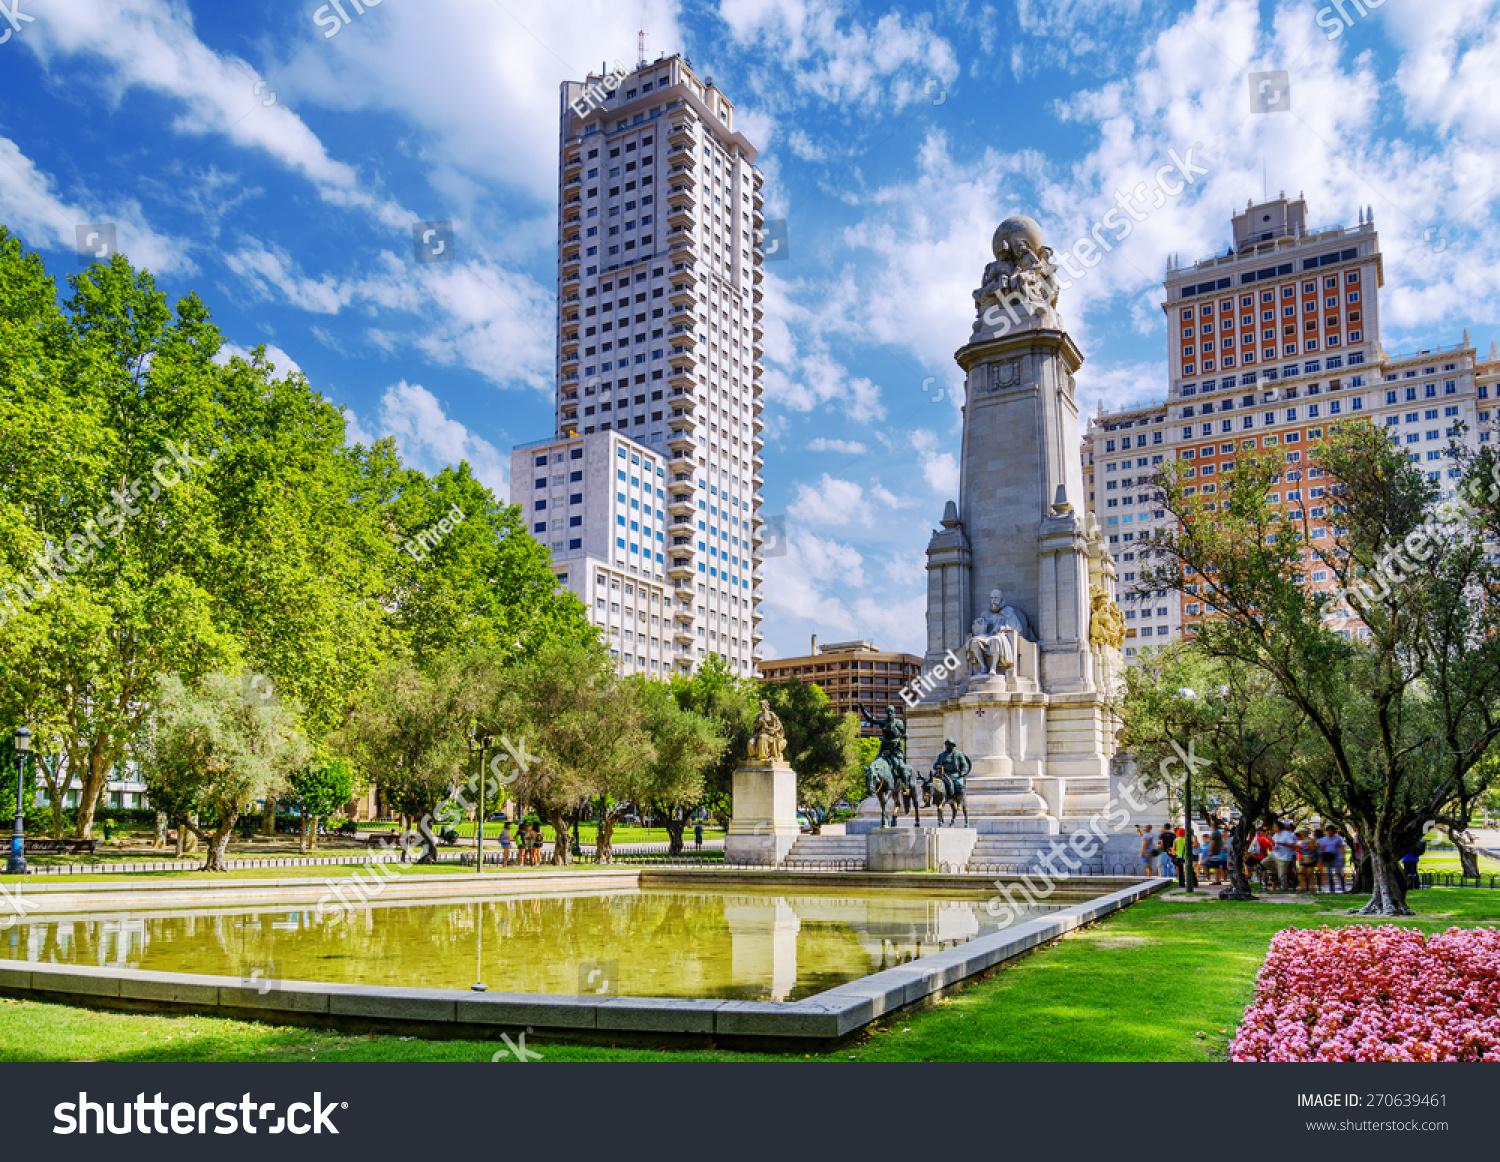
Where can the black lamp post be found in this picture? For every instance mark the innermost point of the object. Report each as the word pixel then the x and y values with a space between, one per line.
pixel 16 866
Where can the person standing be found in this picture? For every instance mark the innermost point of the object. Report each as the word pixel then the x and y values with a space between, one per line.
pixel 1166 840
pixel 1150 850
pixel 698 836
pixel 1216 859
pixel 1181 853
pixel 1283 857
pixel 1331 857
pixel 505 845
pixel 1307 861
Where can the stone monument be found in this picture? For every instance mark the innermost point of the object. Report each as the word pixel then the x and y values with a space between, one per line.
pixel 1022 586
pixel 763 825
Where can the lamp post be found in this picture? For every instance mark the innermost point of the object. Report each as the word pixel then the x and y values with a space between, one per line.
pixel 1189 880
pixel 16 865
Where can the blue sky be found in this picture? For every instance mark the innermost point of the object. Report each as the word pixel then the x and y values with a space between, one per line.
pixel 242 153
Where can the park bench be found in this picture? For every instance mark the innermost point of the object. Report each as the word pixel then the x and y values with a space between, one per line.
pixel 59 846
pixel 378 838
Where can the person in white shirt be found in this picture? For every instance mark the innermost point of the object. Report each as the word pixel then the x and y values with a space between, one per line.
pixel 1283 857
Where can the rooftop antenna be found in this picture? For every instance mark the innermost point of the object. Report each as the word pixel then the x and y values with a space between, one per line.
pixel 640 49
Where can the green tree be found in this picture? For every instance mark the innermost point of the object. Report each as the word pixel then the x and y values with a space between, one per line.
pixel 1227 713
pixel 214 748
pixel 729 702
pixel 409 731
pixel 317 790
pixel 1403 701
pixel 821 744
pixel 567 707
pixel 686 746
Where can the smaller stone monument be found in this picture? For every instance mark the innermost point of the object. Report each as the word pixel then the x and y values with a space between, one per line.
pixel 763 826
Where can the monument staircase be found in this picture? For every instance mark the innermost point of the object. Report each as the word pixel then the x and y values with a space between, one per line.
pixel 845 849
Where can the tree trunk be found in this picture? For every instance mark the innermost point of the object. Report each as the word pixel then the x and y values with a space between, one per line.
pixel 268 817
pixel 1239 882
pixel 218 842
pixel 561 856
pixel 181 837
pixel 1363 879
pixel 59 824
pixel 1468 858
pixel 676 825
pixel 302 834
pixel 312 836
pixel 192 832
pixel 160 841
pixel 603 847
pixel 1389 895
pixel 93 782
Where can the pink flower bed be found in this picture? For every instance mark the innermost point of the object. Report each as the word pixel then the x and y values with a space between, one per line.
pixel 1375 994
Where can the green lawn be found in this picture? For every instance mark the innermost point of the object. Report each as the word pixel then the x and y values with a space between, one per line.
pixel 1166 980
pixel 1443 857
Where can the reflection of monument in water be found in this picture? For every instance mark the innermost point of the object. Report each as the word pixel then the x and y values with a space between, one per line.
pixel 765 930
pixel 1020 586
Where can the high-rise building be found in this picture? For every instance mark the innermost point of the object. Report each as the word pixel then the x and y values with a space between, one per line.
pixel 1269 344
pixel 648 495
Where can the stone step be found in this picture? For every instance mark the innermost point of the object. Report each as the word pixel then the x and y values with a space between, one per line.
pixel 847 849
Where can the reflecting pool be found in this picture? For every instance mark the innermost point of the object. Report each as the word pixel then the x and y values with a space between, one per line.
pixel 739 944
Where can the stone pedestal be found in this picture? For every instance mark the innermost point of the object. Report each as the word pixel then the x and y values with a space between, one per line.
pixel 763 826
pixel 918 848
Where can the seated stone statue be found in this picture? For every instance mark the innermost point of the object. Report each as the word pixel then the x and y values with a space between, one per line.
pixel 768 743
pixel 995 635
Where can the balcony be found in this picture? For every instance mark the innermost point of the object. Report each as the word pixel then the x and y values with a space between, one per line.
pixel 681 133
pixel 682 359
pixel 684 272
pixel 680 438
pixel 682 196
pixel 681 567
pixel 682 295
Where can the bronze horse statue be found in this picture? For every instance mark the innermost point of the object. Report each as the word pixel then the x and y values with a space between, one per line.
pixel 898 786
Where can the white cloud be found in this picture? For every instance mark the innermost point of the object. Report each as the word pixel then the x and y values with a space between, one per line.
pixel 841 60
pixel 41 216
pixel 428 438
pixel 282 364
pixel 151 44
pixel 939 469
pixel 843 447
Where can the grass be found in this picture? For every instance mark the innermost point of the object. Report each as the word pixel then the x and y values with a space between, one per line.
pixel 1165 980
pixel 1442 856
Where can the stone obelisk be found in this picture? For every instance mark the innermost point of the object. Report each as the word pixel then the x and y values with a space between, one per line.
pixel 1020 583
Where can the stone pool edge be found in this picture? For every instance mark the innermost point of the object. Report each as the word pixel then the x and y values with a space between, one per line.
pixel 816 1022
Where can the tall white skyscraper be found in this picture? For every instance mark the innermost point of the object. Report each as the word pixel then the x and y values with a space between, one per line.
pixel 649 493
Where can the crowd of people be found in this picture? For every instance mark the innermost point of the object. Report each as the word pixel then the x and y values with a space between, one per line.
pixel 1281 858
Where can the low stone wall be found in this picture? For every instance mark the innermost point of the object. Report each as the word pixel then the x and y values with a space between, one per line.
pixel 816 1022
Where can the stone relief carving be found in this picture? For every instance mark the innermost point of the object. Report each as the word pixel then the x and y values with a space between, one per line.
pixel 1106 623
pixel 1021 284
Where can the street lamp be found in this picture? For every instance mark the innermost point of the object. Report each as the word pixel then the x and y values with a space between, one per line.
pixel 1189 880
pixel 16 866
